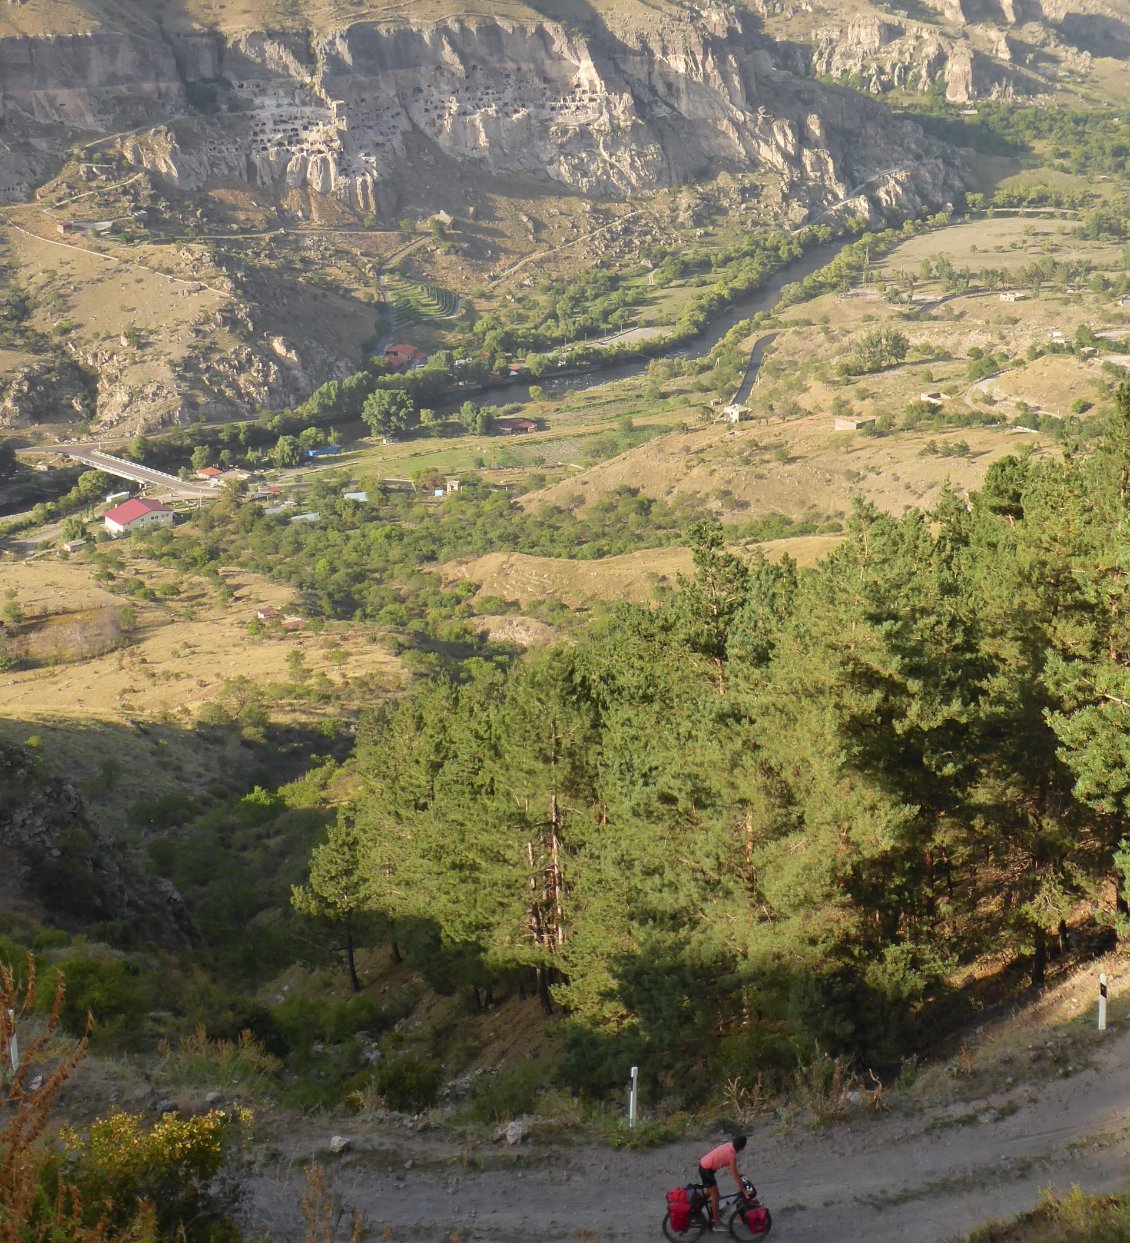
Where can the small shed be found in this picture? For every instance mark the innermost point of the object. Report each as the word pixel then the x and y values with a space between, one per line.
pixel 852 422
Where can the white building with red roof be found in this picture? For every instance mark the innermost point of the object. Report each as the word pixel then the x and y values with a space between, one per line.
pixel 135 513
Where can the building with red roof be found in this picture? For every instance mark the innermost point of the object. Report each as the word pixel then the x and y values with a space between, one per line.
pixel 135 513
pixel 511 427
pixel 405 356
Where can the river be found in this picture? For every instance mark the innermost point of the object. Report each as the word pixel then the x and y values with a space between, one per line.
pixel 763 298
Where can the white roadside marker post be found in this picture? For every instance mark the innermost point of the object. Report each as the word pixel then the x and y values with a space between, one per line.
pixel 13 1043
pixel 1102 1001
pixel 633 1095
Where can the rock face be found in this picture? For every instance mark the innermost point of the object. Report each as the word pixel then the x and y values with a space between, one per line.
pixel 879 56
pixel 47 839
pixel 971 49
pixel 603 114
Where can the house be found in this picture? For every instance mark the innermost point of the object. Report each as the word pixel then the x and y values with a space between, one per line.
pixel 511 427
pixel 234 475
pixel 210 473
pixel 361 497
pixel 135 514
pixel 1013 295
pixel 852 422
pixel 452 485
pixel 734 412
pixel 403 356
pixel 266 613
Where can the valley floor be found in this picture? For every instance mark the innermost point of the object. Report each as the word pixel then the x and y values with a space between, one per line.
pixel 894 1178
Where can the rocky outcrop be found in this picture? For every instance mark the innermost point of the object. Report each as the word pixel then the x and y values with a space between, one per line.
pixel 971 49
pixel 62 859
pixel 55 390
pixel 879 56
pixel 601 113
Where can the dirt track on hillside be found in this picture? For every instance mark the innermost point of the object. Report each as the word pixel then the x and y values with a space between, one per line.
pixel 891 1178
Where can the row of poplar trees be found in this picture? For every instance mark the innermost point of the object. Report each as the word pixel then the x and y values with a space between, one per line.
pixel 785 807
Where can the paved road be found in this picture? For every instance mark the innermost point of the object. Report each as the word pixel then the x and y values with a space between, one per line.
pixel 91 455
pixel 755 357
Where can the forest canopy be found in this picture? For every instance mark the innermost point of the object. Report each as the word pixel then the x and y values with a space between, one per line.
pixel 782 806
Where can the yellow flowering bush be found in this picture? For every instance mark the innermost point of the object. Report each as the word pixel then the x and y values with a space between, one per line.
pixel 188 1169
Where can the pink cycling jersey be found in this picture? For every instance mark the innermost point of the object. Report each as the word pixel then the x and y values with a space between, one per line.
pixel 719 1158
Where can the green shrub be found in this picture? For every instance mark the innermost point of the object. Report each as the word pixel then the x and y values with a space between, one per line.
pixel 164 812
pixel 299 1022
pixel 409 1083
pixel 513 1091
pixel 647 1135
pixel 112 991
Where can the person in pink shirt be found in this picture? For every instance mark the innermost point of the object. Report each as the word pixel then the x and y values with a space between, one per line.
pixel 725 1156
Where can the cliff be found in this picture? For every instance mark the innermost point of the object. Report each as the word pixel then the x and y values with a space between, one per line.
pixel 600 113
pixel 967 49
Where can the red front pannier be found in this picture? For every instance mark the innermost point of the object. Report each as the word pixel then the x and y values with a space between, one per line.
pixel 678 1209
pixel 757 1218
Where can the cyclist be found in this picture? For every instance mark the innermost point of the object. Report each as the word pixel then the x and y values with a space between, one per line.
pixel 725 1156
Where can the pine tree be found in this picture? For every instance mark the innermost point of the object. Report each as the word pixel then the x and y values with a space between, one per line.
pixel 336 890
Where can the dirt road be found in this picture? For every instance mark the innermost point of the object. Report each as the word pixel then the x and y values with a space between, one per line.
pixel 900 1177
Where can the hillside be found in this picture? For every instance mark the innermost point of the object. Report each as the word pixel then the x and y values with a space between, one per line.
pixel 630 579
pixel 949 1154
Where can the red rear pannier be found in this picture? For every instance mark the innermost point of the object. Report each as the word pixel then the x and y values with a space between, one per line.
pixel 678 1209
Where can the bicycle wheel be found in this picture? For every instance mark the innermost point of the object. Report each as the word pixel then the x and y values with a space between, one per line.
pixel 696 1227
pixel 741 1230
